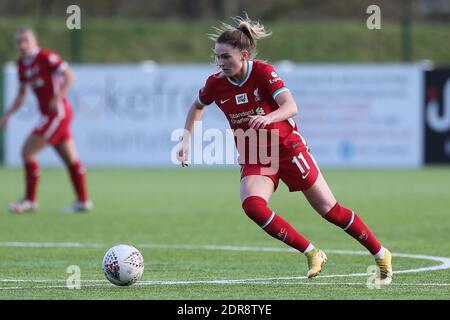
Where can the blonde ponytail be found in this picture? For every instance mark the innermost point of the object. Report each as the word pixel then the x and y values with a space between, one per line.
pixel 253 29
pixel 244 36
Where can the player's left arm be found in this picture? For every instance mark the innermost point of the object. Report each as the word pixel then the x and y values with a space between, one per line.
pixel 57 65
pixel 68 75
pixel 287 109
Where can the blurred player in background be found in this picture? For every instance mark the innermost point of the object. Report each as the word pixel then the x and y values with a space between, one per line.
pixel 253 97
pixel 50 78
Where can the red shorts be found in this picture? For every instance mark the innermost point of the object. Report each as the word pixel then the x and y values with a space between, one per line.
pixel 298 171
pixel 55 127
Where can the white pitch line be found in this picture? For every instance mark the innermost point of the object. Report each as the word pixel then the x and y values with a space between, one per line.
pixel 444 263
pixel 47 287
pixel 27 280
pixel 52 245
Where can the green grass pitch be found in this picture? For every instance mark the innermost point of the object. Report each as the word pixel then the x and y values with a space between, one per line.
pixel 176 216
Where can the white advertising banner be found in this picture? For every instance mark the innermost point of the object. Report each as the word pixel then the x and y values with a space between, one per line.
pixel 361 115
pixel 125 115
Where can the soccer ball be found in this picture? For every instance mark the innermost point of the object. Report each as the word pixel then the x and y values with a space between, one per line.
pixel 123 265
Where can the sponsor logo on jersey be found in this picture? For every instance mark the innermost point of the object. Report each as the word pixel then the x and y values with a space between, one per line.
pixel 30 72
pixel 260 111
pixel 241 98
pixel 256 93
pixel 272 81
pixel 241 117
pixel 53 59
pixel 223 101
pixel 37 83
pixel 274 74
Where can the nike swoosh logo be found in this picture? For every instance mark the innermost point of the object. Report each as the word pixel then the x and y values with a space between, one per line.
pixel 223 101
pixel 304 176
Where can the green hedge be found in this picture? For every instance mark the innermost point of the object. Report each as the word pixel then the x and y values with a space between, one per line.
pixel 131 40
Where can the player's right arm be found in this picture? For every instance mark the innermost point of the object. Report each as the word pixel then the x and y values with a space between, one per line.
pixel 16 104
pixel 194 114
pixel 205 97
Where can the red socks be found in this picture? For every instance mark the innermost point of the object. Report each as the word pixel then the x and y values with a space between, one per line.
pixel 354 226
pixel 77 175
pixel 78 180
pixel 256 209
pixel 32 173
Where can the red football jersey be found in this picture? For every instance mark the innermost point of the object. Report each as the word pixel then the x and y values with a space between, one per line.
pixel 255 95
pixel 41 72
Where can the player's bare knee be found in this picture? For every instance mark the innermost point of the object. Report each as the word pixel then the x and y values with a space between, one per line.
pixel 325 207
pixel 28 155
pixel 70 162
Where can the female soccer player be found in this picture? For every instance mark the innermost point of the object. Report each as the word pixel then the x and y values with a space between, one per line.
pixel 254 99
pixel 50 78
